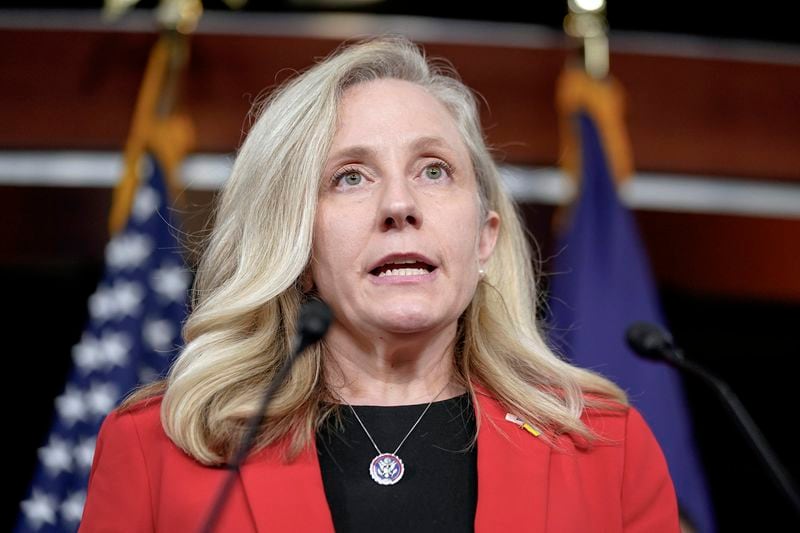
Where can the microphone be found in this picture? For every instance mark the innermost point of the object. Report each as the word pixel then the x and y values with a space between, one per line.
pixel 651 342
pixel 313 322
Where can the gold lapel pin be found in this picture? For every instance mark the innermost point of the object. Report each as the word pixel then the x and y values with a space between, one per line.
pixel 522 424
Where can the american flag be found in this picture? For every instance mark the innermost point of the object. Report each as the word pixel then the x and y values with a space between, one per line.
pixel 132 335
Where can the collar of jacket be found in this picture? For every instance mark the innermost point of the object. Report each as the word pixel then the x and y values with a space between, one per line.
pixel 512 480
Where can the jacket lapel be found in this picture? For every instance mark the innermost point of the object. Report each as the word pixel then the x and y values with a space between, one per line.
pixel 286 497
pixel 513 468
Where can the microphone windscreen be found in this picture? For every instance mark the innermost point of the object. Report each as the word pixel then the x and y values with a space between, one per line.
pixel 314 320
pixel 648 340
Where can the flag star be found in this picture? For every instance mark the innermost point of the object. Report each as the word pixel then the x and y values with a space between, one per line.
pixel 128 296
pixel 83 453
pixel 159 334
pixel 141 271
pixel 114 348
pixel 145 204
pixel 171 281
pixel 128 250
pixel 87 354
pixel 39 509
pixel 72 507
pixel 71 406
pixel 56 456
pixel 147 375
pixel 101 398
pixel 101 305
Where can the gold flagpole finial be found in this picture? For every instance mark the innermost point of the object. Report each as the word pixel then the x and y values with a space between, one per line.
pixel 592 90
pixel 114 9
pixel 586 22
pixel 179 15
pixel 159 127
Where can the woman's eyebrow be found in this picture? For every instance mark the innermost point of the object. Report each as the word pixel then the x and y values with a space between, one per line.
pixel 364 151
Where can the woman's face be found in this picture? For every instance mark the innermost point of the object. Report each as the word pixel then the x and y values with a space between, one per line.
pixel 398 241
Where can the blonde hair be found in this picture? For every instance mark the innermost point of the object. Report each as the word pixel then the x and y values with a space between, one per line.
pixel 247 291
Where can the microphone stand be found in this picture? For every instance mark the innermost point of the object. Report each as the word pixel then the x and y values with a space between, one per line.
pixel 315 317
pixel 658 342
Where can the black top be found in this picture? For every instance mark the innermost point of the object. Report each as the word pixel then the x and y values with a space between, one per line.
pixel 439 488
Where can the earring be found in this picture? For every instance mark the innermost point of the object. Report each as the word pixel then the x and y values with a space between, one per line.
pixel 481 273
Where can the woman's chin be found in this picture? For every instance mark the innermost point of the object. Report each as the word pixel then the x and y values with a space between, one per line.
pixel 406 321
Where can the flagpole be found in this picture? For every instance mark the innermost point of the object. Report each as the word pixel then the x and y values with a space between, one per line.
pixel 587 23
pixel 157 125
pixel 594 90
pixel 604 279
pixel 133 332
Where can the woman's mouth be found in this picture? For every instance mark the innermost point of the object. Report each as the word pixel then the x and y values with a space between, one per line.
pixel 403 268
pixel 403 272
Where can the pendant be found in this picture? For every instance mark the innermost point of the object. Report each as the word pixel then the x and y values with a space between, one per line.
pixel 386 469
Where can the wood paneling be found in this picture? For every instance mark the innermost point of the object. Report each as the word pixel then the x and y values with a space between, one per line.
pixel 76 90
pixel 689 115
pixel 733 255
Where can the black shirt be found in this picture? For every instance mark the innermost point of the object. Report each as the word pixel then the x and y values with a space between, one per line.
pixel 439 488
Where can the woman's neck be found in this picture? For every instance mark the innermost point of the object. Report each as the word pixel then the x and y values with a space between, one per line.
pixel 391 369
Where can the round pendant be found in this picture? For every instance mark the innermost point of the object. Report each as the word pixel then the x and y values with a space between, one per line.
pixel 386 469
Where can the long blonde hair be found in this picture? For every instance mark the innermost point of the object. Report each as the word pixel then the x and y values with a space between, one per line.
pixel 248 291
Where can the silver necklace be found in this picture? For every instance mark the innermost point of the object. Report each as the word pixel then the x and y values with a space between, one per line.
pixel 388 468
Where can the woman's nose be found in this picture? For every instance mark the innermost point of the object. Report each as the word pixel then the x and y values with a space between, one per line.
pixel 398 207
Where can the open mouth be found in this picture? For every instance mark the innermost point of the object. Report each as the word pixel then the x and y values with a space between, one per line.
pixel 403 268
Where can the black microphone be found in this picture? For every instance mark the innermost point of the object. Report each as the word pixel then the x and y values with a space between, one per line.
pixel 313 321
pixel 652 342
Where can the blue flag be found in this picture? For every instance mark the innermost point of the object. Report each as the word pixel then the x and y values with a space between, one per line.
pixel 133 333
pixel 602 284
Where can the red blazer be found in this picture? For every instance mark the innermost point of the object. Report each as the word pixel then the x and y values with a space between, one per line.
pixel 141 481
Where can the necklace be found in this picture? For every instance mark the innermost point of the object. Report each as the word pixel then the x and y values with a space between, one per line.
pixel 388 468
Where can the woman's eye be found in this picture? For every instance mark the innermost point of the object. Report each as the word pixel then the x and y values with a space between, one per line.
pixel 352 178
pixel 436 171
pixel 349 177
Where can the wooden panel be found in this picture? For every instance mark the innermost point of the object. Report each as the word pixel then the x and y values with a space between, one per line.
pixel 714 117
pixel 687 115
pixel 68 90
pixel 742 256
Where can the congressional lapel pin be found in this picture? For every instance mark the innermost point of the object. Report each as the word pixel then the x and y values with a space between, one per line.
pixel 523 425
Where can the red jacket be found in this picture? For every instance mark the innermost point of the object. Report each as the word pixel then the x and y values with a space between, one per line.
pixel 140 481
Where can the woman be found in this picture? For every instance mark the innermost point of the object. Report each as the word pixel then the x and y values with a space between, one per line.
pixel 433 403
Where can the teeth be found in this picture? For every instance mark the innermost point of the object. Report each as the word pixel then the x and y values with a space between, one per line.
pixel 402 262
pixel 404 272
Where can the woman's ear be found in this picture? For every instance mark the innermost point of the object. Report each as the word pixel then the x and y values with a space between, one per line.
pixel 488 236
